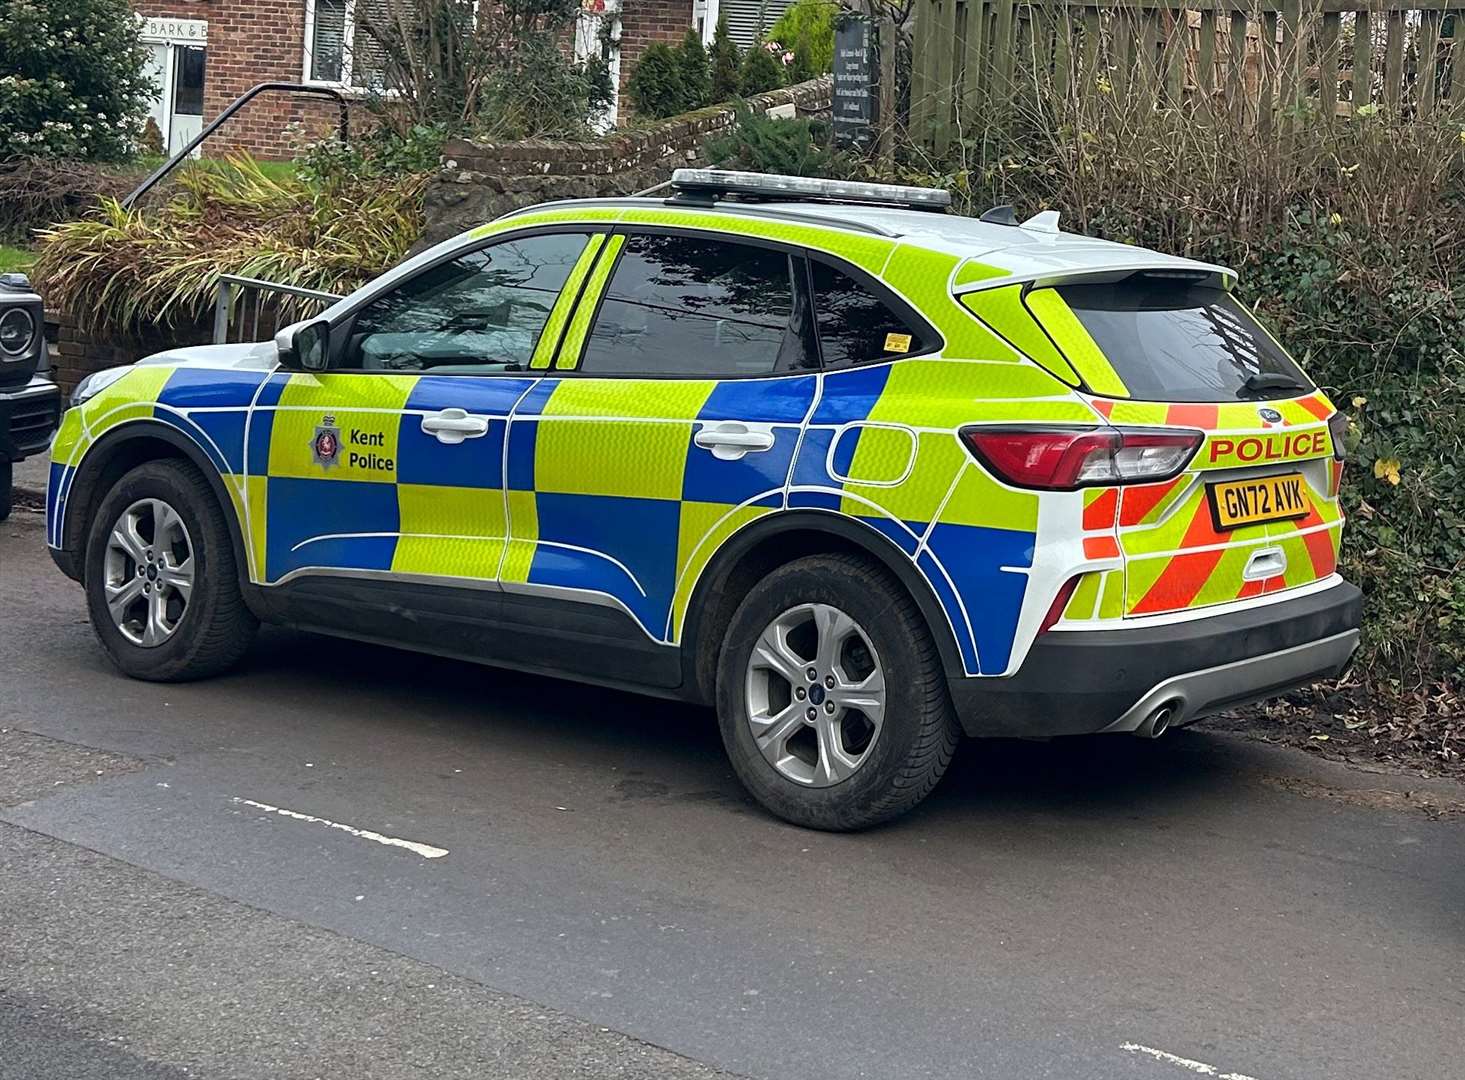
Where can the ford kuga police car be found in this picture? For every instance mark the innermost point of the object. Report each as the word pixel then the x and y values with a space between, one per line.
pixel 860 473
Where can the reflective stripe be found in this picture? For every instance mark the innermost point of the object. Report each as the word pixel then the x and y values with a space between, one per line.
pixel 574 343
pixel 1078 345
pixel 549 338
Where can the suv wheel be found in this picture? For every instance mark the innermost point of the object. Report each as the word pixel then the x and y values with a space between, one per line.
pixel 162 583
pixel 831 696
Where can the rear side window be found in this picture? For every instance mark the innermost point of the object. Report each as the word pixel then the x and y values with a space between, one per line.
pixel 679 305
pixel 1176 341
pixel 856 325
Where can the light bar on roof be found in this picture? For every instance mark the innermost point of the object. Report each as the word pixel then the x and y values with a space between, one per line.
pixel 771 186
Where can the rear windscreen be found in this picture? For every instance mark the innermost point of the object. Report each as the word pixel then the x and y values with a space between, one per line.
pixel 1176 341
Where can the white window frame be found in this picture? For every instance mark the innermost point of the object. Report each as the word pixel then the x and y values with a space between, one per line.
pixel 348 44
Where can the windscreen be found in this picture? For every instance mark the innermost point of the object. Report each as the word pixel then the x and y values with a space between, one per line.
pixel 1177 341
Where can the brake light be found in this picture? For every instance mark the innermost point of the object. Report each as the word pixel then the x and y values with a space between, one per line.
pixel 1062 459
pixel 1338 430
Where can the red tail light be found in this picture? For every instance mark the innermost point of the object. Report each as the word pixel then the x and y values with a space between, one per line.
pixel 1062 459
pixel 1055 610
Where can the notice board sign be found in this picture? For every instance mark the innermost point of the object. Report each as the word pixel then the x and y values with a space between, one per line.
pixel 856 78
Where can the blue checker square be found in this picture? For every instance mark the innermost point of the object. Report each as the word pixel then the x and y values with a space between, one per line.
pixel 473 463
pixel 641 534
pixel 301 510
pixel 713 480
pixel 850 395
pixel 974 557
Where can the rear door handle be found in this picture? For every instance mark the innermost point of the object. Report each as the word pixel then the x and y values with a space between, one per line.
pixel 452 426
pixel 731 441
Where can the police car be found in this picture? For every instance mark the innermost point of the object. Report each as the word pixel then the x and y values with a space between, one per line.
pixel 862 474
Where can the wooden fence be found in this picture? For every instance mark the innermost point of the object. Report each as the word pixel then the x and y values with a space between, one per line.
pixel 1274 57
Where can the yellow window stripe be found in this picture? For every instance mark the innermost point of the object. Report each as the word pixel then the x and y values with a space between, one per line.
pixel 1078 345
pixel 549 337
pixel 1002 309
pixel 569 355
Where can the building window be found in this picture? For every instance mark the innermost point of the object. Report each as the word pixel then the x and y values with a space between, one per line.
pixel 338 49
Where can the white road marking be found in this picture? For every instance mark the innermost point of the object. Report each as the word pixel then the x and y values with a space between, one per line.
pixel 1185 1063
pixel 427 851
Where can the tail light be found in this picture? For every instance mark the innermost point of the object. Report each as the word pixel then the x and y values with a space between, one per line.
pixel 1063 459
pixel 1055 610
pixel 1338 430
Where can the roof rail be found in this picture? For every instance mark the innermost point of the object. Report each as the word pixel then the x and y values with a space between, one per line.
pixel 705 186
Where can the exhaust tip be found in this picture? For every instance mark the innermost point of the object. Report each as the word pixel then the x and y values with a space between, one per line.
pixel 1158 722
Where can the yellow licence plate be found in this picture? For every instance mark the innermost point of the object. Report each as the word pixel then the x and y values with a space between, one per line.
pixel 1264 498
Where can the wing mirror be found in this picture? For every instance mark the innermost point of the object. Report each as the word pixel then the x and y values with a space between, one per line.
pixel 305 346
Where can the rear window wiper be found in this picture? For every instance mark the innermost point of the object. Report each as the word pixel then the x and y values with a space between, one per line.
pixel 1271 380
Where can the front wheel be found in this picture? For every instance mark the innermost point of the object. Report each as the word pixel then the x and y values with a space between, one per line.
pixel 831 697
pixel 162 583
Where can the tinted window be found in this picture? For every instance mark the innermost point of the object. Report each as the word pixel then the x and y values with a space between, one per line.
pixel 480 312
pixel 855 325
pixel 1174 341
pixel 679 305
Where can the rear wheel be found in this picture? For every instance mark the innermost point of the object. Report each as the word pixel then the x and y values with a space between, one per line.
pixel 831 696
pixel 162 583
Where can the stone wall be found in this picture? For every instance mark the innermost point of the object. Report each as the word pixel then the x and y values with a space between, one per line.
pixel 482 180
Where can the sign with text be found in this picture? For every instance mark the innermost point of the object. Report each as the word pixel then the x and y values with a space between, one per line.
pixel 855 81
pixel 174 31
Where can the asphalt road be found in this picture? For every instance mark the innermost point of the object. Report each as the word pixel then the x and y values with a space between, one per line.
pixel 345 861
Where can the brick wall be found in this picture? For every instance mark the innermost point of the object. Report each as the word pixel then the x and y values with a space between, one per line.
pixel 644 22
pixel 250 42
pixel 481 180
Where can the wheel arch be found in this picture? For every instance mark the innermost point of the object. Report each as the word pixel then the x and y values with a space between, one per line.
pixel 777 539
pixel 117 452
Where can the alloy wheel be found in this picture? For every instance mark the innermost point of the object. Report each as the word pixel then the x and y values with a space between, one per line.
pixel 148 572
pixel 815 695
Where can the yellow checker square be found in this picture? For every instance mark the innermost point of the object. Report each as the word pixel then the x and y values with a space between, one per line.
pixel 981 500
pixel 130 397
pixel 942 393
pixel 704 528
pixel 452 531
pixel 339 427
pixel 524 536
pixel 883 455
pixel 939 457
pixel 640 459
pixel 1002 309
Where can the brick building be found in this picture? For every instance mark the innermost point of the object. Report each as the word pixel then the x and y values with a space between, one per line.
pixel 205 53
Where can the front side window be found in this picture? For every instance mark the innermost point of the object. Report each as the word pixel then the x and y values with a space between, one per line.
pixel 856 326
pixel 691 306
pixel 481 312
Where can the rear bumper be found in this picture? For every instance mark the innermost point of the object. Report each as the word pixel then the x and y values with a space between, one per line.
pixel 1078 682
pixel 29 415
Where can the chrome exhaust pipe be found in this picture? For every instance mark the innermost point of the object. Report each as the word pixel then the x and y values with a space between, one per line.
pixel 1158 722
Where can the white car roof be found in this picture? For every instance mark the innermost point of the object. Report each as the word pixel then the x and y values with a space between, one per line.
pixel 1027 251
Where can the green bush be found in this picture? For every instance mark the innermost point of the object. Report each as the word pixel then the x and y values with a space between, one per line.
pixel 726 59
pixel 655 85
pixel 758 142
pixel 762 69
pixel 74 83
pixel 807 28
pixel 696 79
pixel 126 270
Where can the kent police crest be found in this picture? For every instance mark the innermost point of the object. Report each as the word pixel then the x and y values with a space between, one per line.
pixel 325 448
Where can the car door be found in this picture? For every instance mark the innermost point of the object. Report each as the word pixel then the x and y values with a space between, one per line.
pixel 389 465
pixel 671 419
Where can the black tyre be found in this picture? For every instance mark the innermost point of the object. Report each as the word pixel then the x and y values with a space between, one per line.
pixel 831 696
pixel 7 478
pixel 162 583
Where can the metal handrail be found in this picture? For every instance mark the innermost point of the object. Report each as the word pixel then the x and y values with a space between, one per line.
pixel 225 302
pixel 219 121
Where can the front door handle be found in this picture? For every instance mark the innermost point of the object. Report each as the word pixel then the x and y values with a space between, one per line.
pixel 731 441
pixel 452 426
